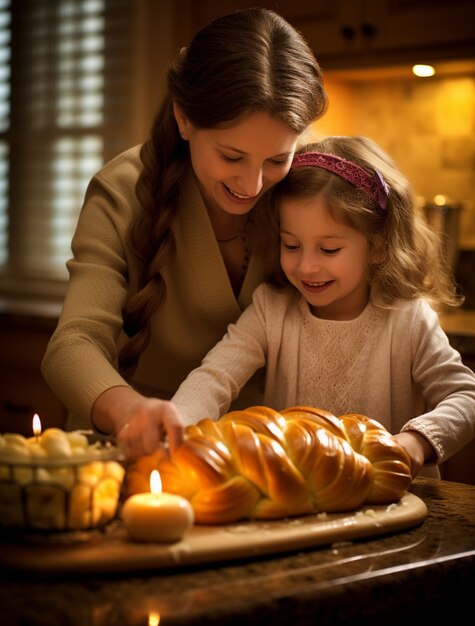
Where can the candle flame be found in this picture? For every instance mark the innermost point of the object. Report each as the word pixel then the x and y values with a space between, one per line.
pixel 155 482
pixel 36 425
pixel 153 618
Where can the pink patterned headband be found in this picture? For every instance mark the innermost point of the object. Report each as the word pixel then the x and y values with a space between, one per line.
pixel 373 186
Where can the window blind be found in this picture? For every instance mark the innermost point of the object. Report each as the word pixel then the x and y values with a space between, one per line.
pixel 66 70
pixel 5 57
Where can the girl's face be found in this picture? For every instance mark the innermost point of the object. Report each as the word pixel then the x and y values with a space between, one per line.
pixel 325 260
pixel 235 166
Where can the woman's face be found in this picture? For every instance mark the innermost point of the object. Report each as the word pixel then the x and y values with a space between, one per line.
pixel 236 165
pixel 327 261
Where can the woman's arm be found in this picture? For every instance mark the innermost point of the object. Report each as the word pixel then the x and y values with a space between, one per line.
pixel 79 363
pixel 140 423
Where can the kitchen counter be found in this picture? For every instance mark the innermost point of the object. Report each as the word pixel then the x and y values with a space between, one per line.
pixel 459 326
pixel 412 576
pixel 459 323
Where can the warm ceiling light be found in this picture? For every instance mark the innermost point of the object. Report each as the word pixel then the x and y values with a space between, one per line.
pixel 423 70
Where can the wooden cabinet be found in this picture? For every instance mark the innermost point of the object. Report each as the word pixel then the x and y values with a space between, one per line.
pixel 349 33
pixel 23 391
pixel 361 33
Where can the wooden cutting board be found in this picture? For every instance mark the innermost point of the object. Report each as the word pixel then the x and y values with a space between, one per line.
pixel 112 551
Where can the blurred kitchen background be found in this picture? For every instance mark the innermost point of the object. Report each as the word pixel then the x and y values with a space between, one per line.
pixel 80 80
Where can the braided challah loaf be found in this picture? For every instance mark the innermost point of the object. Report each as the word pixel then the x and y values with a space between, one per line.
pixel 262 464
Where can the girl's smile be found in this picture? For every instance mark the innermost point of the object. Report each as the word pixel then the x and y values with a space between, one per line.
pixel 316 287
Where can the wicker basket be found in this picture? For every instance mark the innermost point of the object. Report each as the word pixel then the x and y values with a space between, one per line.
pixel 60 494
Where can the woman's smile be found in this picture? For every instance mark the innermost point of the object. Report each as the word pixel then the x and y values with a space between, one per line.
pixel 238 196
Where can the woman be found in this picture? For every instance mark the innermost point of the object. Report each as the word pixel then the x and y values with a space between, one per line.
pixel 163 258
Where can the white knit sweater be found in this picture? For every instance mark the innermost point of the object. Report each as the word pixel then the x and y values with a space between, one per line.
pixel 395 365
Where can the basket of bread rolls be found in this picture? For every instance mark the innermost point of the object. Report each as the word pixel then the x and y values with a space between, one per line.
pixel 59 481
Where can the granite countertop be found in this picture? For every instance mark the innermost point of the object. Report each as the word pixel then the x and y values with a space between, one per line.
pixel 406 577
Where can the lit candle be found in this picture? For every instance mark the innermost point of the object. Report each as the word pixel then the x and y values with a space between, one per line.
pixel 36 426
pixel 157 516
pixel 153 619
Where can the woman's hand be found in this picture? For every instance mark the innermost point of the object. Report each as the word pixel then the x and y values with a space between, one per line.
pixel 418 449
pixel 142 424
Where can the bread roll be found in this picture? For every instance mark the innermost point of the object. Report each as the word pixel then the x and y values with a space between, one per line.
pixel 262 464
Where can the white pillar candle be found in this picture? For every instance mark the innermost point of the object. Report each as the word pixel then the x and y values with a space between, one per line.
pixel 157 516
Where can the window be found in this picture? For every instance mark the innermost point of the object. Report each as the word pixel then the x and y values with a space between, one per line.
pixel 5 55
pixel 66 72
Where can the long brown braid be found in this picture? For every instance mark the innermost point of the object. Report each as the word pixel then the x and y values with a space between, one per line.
pixel 150 236
pixel 248 61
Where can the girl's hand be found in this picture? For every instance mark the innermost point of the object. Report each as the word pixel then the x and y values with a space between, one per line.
pixel 142 424
pixel 418 449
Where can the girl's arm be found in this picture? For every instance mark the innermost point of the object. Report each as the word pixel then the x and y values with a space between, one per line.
pixel 209 389
pixel 448 388
pixel 418 448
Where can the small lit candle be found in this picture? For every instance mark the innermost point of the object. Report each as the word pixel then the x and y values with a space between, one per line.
pixel 153 619
pixel 36 426
pixel 157 516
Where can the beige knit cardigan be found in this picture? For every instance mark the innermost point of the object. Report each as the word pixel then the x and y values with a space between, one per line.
pixel 81 359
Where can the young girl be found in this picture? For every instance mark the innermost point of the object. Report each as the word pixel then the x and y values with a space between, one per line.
pixel 348 324
pixel 163 251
